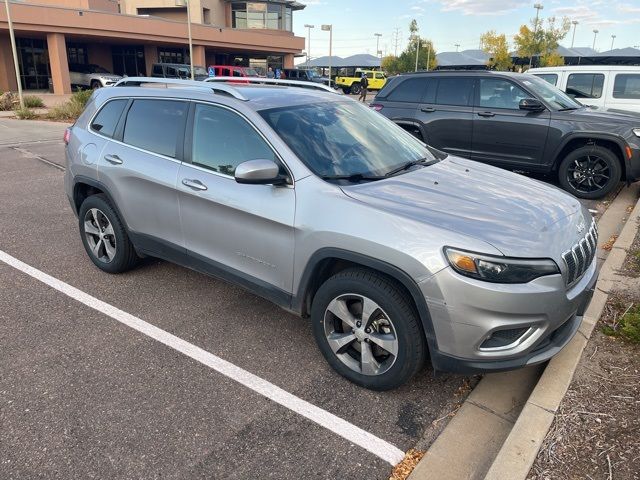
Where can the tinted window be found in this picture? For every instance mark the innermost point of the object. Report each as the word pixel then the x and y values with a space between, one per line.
pixel 498 93
pixel 237 73
pixel 157 69
pixel 222 140
pixel 155 125
pixel 454 91
pixel 410 90
pixel 626 86
pixel 585 85
pixel 379 76
pixel 107 119
pixel 552 78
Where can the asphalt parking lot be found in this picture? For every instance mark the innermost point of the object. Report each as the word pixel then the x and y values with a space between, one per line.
pixel 83 395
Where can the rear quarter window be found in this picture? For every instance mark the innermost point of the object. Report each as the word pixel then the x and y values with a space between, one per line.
pixel 585 85
pixel 106 121
pixel 413 91
pixel 627 85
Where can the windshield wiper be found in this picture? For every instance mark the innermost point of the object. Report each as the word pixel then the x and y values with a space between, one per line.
pixel 408 165
pixel 353 178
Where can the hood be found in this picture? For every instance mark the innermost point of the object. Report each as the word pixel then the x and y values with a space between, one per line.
pixel 519 216
pixel 601 115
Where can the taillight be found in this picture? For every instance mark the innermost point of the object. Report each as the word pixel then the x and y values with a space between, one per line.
pixel 67 135
pixel 377 107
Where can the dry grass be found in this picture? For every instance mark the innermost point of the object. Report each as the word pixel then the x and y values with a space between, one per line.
pixel 406 466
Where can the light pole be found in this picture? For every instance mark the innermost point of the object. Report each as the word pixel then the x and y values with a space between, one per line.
pixel 308 27
pixel 186 2
pixel 428 54
pixel 457 45
pixel 15 54
pixel 595 34
pixel 538 7
pixel 378 35
pixel 613 39
pixel 573 39
pixel 417 51
pixel 329 28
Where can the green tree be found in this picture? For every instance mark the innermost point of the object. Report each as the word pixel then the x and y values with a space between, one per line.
pixel 553 59
pixel 541 41
pixel 497 48
pixel 406 61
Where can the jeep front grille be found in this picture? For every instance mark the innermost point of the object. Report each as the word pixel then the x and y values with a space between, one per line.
pixel 578 259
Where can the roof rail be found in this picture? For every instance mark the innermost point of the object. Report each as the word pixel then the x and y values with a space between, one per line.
pixel 138 81
pixel 272 81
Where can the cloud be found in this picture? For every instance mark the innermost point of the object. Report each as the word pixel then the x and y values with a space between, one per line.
pixel 482 7
pixel 627 8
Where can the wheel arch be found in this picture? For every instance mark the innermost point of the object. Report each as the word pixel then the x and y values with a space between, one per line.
pixel 611 142
pixel 84 187
pixel 328 261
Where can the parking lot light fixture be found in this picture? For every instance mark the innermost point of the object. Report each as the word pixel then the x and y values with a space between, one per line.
pixel 329 28
pixel 15 53
pixel 186 3
pixel 573 39
pixel 377 35
pixel 308 27
pixel 538 7
pixel 613 39
pixel 595 34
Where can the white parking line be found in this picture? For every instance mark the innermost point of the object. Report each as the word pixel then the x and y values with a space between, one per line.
pixel 337 425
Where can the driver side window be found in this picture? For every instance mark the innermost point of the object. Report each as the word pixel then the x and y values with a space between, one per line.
pixel 222 140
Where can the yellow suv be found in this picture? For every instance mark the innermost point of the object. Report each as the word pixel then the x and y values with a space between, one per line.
pixel 377 80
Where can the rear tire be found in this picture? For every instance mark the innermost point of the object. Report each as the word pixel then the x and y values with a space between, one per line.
pixel 356 89
pixel 590 172
pixel 375 339
pixel 104 237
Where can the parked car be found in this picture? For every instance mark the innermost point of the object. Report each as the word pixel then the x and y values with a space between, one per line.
pixel 305 75
pixel 91 76
pixel 519 122
pixel 602 86
pixel 178 70
pixel 234 71
pixel 396 251
pixel 377 81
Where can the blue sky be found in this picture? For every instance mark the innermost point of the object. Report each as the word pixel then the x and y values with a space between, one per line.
pixel 450 22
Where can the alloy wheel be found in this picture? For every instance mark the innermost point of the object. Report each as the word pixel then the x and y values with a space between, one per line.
pixel 361 334
pixel 589 173
pixel 100 235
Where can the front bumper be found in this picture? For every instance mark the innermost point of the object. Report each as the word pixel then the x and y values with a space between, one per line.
pixel 465 313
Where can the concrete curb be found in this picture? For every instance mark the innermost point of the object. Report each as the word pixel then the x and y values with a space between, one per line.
pixel 519 451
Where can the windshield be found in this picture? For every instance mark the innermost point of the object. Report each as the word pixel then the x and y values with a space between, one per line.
pixel 345 138
pixel 551 94
pixel 96 69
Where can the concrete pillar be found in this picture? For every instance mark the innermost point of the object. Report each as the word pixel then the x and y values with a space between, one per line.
pixel 7 70
pixel 58 62
pixel 150 57
pixel 288 60
pixel 199 57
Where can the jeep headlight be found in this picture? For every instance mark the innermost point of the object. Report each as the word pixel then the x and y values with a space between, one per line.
pixel 636 132
pixel 499 269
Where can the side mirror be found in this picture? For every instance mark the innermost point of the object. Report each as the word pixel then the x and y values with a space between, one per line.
pixel 531 105
pixel 259 172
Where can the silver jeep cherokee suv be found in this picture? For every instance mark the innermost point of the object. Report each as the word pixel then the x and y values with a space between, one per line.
pixel 396 251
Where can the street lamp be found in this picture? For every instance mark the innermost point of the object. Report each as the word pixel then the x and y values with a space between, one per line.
pixel 308 27
pixel 329 28
pixel 186 2
pixel 573 39
pixel 538 7
pixel 457 45
pixel 417 51
pixel 613 38
pixel 15 54
pixel 378 35
pixel 595 34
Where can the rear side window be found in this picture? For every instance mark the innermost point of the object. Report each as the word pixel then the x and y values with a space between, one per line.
pixel 106 120
pixel 237 73
pixel 155 125
pixel 157 70
pixel 551 78
pixel 585 85
pixel 454 91
pixel 627 85
pixel 411 90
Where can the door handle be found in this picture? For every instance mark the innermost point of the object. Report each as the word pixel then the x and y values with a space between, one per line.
pixel 115 159
pixel 486 114
pixel 428 109
pixel 194 184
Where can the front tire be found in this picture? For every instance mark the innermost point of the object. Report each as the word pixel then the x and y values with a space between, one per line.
pixel 590 172
pixel 367 329
pixel 95 84
pixel 104 237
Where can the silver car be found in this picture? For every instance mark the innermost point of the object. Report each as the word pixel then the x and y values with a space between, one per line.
pixel 397 252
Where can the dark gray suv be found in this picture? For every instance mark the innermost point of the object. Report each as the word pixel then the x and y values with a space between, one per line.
pixel 519 122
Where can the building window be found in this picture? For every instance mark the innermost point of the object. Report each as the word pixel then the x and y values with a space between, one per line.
pixel 173 55
pixel 261 15
pixel 77 53
pixel 33 59
pixel 128 60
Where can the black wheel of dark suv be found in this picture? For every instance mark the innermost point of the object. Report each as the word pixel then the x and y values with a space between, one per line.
pixel 104 236
pixel 590 172
pixel 367 329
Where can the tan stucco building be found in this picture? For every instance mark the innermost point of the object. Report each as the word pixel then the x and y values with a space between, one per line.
pixel 129 36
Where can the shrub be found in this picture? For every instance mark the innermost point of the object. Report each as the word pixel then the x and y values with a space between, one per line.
pixel 72 109
pixel 31 101
pixel 7 101
pixel 25 113
pixel 628 327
